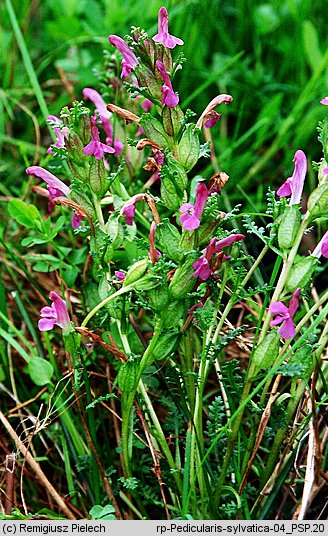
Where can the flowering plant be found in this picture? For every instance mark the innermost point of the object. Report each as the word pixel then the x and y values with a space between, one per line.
pixel 160 281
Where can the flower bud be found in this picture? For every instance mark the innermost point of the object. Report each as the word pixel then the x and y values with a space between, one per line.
pixel 169 194
pixel 171 120
pixel 300 273
pixel 183 280
pixel 189 147
pixel 136 271
pixel 267 351
pixel 75 148
pixel 288 226
pixel 318 201
pixel 159 297
pixel 174 312
pixel 97 177
pixel 128 376
pixel 147 79
pixel 168 238
pixel 164 345
pixel 188 241
pixel 154 130
pixel 82 200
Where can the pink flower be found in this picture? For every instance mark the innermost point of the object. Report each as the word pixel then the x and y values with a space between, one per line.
pixel 147 105
pixel 128 209
pixel 105 116
pixel 76 220
pixel 129 212
pixel 293 186
pixel 95 146
pixel 169 98
pixel 211 119
pixel 284 315
pixel 163 35
pixel 130 60
pixel 55 314
pixel 202 265
pixel 191 214
pixel 120 275
pixel 61 133
pixel 322 247
pixel 324 101
pixel 56 187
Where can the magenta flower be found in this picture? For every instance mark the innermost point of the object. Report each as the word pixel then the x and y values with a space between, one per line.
pixel 105 116
pixel 129 212
pixel 293 186
pixel 163 35
pixel 61 133
pixel 130 61
pixel 207 115
pixel 95 146
pixel 322 248
pixel 120 275
pixel 76 220
pixel 147 105
pixel 56 187
pixel 128 209
pixel 55 314
pixel 211 119
pixel 169 98
pixel 202 265
pixel 324 101
pixel 191 214
pixel 284 315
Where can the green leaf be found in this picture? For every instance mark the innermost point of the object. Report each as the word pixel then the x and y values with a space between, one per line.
pixel 32 241
pixel 24 214
pixel 100 512
pixel 40 371
pixel 311 45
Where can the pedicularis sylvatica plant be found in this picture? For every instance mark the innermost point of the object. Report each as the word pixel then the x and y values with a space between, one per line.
pixel 211 366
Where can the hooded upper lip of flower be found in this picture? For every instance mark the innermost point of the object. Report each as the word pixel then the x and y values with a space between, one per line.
pixel 130 61
pixel 55 186
pixel 293 186
pixel 191 214
pixel 163 35
pixel 55 314
pixel 98 101
pixel 284 315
